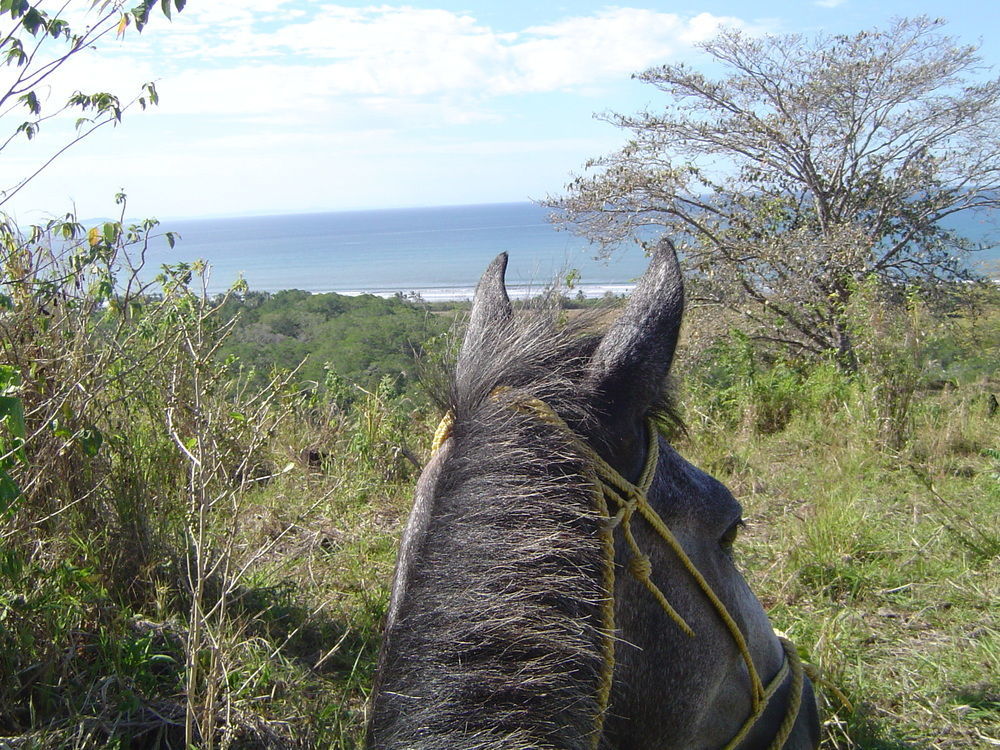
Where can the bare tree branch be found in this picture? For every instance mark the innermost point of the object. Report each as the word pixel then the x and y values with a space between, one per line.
pixel 809 166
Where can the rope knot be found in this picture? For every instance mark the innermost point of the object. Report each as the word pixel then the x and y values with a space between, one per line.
pixel 443 431
pixel 640 566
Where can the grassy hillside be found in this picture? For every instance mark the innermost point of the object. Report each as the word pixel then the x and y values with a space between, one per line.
pixel 196 540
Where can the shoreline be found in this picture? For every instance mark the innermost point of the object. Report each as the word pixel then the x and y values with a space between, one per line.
pixel 465 293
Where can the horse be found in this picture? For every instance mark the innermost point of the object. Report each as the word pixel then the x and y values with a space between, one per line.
pixel 565 578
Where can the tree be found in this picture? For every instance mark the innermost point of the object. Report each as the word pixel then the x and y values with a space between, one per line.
pixel 37 44
pixel 808 167
pixel 43 267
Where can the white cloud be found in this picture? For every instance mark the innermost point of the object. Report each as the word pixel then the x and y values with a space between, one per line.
pixel 389 57
pixel 829 3
pixel 245 12
pixel 326 100
pixel 415 51
pixel 610 44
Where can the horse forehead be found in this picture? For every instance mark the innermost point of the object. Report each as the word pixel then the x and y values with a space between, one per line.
pixel 684 488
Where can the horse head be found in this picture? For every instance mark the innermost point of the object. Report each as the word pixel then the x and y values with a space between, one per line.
pixel 566 578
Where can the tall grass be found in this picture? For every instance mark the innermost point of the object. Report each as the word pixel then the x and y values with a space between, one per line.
pixel 173 571
pixel 873 518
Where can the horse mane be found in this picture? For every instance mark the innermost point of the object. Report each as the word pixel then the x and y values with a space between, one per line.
pixel 499 642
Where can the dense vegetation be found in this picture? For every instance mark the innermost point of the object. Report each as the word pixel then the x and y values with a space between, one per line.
pixel 362 339
pixel 193 547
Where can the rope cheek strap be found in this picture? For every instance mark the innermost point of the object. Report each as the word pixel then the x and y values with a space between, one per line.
pixel 610 487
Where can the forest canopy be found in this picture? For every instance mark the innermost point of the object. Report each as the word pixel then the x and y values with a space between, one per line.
pixel 360 338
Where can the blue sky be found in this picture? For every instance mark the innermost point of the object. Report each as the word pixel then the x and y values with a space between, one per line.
pixel 283 106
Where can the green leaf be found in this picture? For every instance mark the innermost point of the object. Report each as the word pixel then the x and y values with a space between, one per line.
pixel 60 430
pixel 90 440
pixel 32 21
pixel 11 564
pixel 10 377
pixel 17 8
pixel 171 239
pixel 12 414
pixel 70 229
pixel 12 411
pixel 58 27
pixel 165 7
pixel 9 493
pixel 179 4
pixel 16 53
pixel 112 230
pixel 104 289
pixel 30 100
pixel 141 14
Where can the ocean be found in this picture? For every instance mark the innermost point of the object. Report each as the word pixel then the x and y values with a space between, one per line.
pixel 438 253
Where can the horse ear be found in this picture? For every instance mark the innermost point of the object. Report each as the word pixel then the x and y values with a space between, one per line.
pixel 632 361
pixel 491 311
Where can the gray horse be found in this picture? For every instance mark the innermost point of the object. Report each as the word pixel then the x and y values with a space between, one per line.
pixel 565 579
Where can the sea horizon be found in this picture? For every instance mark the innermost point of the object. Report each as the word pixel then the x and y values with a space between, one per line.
pixel 436 253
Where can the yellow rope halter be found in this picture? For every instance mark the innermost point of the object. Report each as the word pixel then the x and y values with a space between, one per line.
pixel 612 487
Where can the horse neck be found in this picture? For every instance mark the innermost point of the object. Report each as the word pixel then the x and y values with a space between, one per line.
pixel 497 614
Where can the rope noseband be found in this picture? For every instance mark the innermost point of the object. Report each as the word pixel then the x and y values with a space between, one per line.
pixel 611 489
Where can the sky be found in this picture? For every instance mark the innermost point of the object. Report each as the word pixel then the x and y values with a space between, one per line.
pixel 292 106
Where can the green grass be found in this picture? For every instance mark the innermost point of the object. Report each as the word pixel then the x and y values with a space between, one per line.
pixel 882 567
pixel 877 564
pixel 877 552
